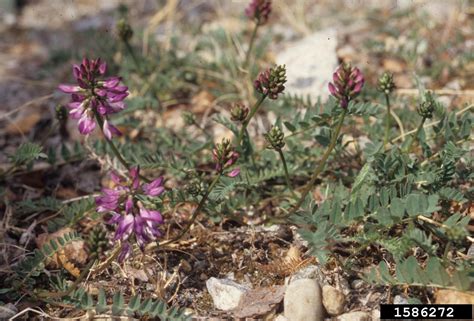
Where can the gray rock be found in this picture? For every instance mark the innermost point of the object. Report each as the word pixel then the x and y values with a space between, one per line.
pixel 470 252
pixel 226 294
pixel 333 300
pixel 376 315
pixel 281 317
pixel 303 301
pixel 357 284
pixel 308 272
pixel 398 299
pixel 7 311
pixel 354 316
pixel 310 63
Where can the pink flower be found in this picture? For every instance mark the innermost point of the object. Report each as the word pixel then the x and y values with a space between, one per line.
pixel 348 83
pixel 259 10
pixel 94 98
pixel 132 218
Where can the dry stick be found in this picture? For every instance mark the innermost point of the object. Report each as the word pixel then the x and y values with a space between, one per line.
pixel 431 124
pixel 320 167
pixel 198 209
pixel 409 91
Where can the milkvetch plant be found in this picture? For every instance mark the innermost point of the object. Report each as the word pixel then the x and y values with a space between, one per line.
pixel 384 203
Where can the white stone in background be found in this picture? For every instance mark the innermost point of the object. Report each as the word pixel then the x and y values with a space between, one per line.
pixel 226 294
pixel 333 300
pixel 398 299
pixel 308 272
pixel 303 301
pixel 354 316
pixel 281 317
pixel 310 63
pixel 376 315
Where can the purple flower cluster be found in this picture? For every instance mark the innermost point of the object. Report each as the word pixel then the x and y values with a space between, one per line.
pixel 348 82
pixel 259 10
pixel 94 98
pixel 225 156
pixel 128 211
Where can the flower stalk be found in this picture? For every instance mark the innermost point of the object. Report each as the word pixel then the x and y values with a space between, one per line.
pixel 415 138
pixel 322 163
pixel 111 144
pixel 425 109
pixel 276 140
pixel 387 121
pixel 252 40
pixel 193 217
pixel 287 175
pixel 246 122
pixel 386 85
pixel 259 11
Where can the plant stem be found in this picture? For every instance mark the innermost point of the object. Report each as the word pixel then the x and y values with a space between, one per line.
pixel 252 40
pixel 114 148
pixel 253 111
pixel 415 138
pixel 193 217
pixel 387 120
pixel 285 167
pixel 134 57
pixel 202 129
pixel 320 167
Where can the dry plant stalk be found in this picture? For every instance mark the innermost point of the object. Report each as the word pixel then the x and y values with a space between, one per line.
pixel 290 264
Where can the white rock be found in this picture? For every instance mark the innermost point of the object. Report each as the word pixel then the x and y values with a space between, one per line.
pixel 281 317
pixel 333 300
pixel 308 272
pixel 357 284
pixel 376 315
pixel 225 293
pixel 310 63
pixel 354 316
pixel 303 301
pixel 398 299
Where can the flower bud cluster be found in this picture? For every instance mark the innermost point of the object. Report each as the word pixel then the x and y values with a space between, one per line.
pixel 347 84
pixel 271 81
pixel 385 83
pixel 225 156
pixel 427 106
pixel 259 10
pixel 239 112
pixel 275 138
